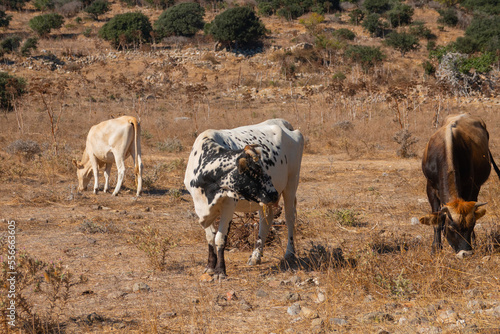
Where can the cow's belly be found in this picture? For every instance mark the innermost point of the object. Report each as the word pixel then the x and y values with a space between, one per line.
pixel 247 206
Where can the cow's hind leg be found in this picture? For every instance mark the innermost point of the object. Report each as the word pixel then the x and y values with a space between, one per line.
pixel 107 172
pixel 290 203
pixel 435 207
pixel 212 256
pixel 265 221
pixel 120 165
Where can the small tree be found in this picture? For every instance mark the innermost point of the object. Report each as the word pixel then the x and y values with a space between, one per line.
pixel 44 5
pixel 356 16
pixel 96 8
pixel 4 19
pixel 43 24
pixel 14 4
pixel 374 25
pixel 448 17
pixel 400 15
pixel 10 44
pixel 367 56
pixel 239 25
pixel 28 45
pixel 124 30
pixel 377 6
pixel 403 42
pixel 11 88
pixel 184 19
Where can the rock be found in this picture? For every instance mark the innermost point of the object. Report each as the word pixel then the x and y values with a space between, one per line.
pixel 309 313
pixel 369 299
pixel 377 317
pixel 402 321
pixel 338 321
pixel 119 325
pixel 321 297
pixel 245 306
pixel 292 296
pixel 447 317
pixel 476 304
pixel 140 287
pixel 415 221
pixel 293 310
pixel 317 322
pixel 261 294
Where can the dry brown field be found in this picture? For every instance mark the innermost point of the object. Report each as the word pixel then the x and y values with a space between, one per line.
pixel 102 264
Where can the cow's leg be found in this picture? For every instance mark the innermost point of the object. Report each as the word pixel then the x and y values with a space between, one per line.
pixel 265 221
pixel 435 203
pixel 107 172
pixel 95 171
pixel 120 165
pixel 221 237
pixel 212 256
pixel 290 203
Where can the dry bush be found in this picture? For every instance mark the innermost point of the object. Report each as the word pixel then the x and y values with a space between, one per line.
pixel 155 245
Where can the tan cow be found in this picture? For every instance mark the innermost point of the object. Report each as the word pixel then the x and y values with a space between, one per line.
pixel 107 142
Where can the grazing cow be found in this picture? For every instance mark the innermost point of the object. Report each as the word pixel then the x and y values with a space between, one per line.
pixel 107 142
pixel 244 170
pixel 456 162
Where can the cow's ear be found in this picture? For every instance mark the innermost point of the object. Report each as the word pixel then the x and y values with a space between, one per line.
pixel 251 151
pixel 242 165
pixel 77 164
pixel 431 219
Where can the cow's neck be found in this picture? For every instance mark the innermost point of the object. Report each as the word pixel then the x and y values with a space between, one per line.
pixel 87 166
pixel 450 192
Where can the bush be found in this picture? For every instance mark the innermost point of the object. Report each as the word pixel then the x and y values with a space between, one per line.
pixel 429 68
pixel 70 9
pixel 490 7
pixel 356 16
pixel 4 19
pixel 485 31
pixel 419 29
pixel 124 30
pixel 14 4
pixel 481 64
pixel 44 5
pixel 184 19
pixel 26 148
pixel 448 17
pixel 403 42
pixel 292 9
pixel 98 7
pixel 161 4
pixel 239 25
pixel 28 45
pixel 344 34
pixel 43 24
pixel 11 88
pixel 374 25
pixel 400 15
pixel 377 6
pixel 466 45
pixel 367 56
pixel 10 44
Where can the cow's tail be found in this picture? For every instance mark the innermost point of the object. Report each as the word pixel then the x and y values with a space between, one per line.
pixel 137 133
pixel 494 164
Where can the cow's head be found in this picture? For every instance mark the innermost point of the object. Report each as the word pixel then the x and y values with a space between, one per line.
pixel 458 219
pixel 83 175
pixel 251 181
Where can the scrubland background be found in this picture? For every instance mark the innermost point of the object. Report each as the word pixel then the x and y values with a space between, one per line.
pixel 99 264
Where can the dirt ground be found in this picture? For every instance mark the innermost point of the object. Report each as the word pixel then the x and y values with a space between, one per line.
pixel 92 236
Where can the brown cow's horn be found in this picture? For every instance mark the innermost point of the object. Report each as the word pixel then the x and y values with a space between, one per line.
pixel 250 150
pixel 478 204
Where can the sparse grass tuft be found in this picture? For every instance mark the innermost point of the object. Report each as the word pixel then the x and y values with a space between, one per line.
pixel 155 245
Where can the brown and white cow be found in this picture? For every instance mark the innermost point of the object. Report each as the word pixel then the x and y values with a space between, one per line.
pixel 107 142
pixel 456 163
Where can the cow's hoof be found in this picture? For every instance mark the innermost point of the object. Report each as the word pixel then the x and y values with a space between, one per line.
pixel 463 254
pixel 252 261
pixel 115 194
pixel 209 271
pixel 219 276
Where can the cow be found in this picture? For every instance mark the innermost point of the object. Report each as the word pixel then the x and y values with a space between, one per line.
pixel 456 163
pixel 107 142
pixel 245 169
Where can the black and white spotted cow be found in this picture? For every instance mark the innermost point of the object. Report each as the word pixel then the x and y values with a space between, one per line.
pixel 244 170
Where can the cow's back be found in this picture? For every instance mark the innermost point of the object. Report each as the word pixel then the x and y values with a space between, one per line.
pixel 114 134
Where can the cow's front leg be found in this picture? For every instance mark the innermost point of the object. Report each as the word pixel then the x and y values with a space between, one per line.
pixel 265 221
pixel 107 172
pixel 212 256
pixel 437 245
pixel 95 171
pixel 221 237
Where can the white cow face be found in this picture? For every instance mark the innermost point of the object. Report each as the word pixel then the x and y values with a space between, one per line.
pixel 83 175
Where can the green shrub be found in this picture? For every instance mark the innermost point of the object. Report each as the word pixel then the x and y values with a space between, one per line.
pixel 128 29
pixel 11 88
pixel 400 15
pixel 28 45
pixel 292 9
pixel 485 31
pixel 429 68
pixel 98 7
pixel 43 24
pixel 44 5
pixel 466 45
pixel 14 4
pixel 490 7
pixel 403 42
pixel 10 44
pixel 481 64
pixel 356 16
pixel 367 56
pixel 161 4
pixel 374 25
pixel 419 29
pixel 344 34
pixel 184 19
pixel 377 6
pixel 448 17
pixel 239 25
pixel 4 19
